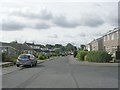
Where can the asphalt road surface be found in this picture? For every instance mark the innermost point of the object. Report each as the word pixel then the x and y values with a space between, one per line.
pixel 60 73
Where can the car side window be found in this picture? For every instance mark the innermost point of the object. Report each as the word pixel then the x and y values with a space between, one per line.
pixel 29 57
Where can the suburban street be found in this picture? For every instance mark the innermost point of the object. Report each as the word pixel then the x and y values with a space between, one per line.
pixel 61 73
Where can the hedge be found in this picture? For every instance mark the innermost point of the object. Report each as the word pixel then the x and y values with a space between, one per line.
pixel 13 59
pixel 42 57
pixel 6 58
pixel 81 55
pixel 98 56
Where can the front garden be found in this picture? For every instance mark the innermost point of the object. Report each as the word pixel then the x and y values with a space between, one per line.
pixel 94 56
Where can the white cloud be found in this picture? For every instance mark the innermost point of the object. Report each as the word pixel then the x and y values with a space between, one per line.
pixel 27 13
pixel 91 19
pixel 62 22
pixel 53 36
pixel 12 25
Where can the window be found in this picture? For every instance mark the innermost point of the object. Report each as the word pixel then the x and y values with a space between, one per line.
pixel 107 49
pixel 23 56
pixel 31 57
pixel 112 37
pixel 31 46
pixel 2 51
pixel 117 35
pixel 108 37
pixel 105 38
pixel 114 49
pixel 104 48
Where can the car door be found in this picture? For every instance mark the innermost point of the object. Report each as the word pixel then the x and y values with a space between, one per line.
pixel 31 59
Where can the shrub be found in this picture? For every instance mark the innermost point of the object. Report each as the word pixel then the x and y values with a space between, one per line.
pixel 6 58
pixel 42 57
pixel 98 56
pixel 13 59
pixel 81 55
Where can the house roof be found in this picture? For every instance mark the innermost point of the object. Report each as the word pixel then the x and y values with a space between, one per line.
pixel 17 46
pixel 112 31
pixel 42 46
pixel 29 43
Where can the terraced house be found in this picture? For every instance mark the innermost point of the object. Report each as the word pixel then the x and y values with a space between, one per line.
pixel 39 48
pixel 111 41
pixel 97 44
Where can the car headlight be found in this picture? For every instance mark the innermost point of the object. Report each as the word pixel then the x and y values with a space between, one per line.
pixel 17 60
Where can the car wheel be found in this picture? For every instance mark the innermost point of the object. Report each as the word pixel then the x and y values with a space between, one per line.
pixel 31 65
pixel 18 65
pixel 36 64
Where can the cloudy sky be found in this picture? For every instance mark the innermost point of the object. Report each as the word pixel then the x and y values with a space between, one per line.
pixel 55 21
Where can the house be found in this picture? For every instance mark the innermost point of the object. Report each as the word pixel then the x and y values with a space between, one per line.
pixel 15 48
pixel 111 41
pixel 89 47
pixel 37 47
pixel 6 48
pixel 21 47
pixel 96 45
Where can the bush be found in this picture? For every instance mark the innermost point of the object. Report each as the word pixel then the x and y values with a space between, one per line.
pixel 42 57
pixel 13 59
pixel 98 56
pixel 81 55
pixel 6 58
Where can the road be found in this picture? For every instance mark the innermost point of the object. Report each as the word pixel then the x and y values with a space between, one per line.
pixel 60 73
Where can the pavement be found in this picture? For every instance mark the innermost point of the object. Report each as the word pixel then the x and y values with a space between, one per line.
pixel 10 69
pixel 73 60
pixel 61 73
pixel 6 64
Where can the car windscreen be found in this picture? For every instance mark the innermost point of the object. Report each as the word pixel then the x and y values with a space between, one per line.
pixel 23 57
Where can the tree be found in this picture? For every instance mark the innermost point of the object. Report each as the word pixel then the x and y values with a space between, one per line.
pixel 75 48
pixel 57 51
pixel 82 47
pixel 42 46
pixel 14 41
pixel 69 47
pixel 58 46
pixel 62 49
pixel 49 46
